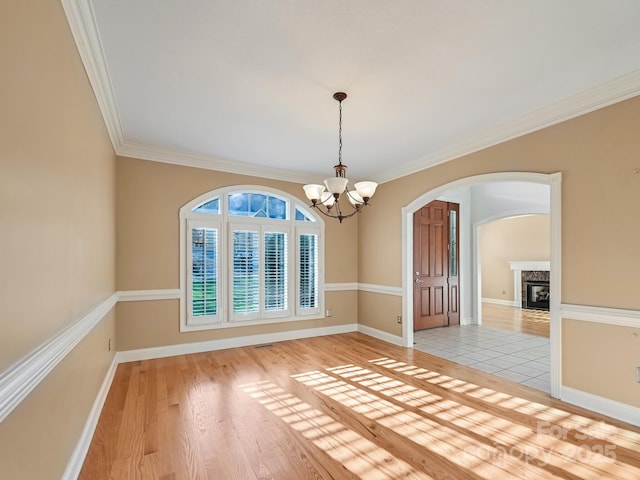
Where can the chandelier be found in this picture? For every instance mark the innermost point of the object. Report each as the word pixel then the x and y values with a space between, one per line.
pixel 326 198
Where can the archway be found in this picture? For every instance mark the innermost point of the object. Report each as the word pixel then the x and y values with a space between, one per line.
pixel 554 181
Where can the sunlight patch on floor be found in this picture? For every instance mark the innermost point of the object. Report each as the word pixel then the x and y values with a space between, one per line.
pixel 359 455
pixel 463 449
pixel 558 423
pixel 511 437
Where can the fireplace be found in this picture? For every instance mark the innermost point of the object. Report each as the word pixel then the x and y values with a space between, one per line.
pixel 535 289
pixel 533 272
pixel 537 295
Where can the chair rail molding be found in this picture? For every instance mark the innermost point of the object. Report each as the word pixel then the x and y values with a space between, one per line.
pixel 608 316
pixel 23 376
pixel 383 289
pixel 144 295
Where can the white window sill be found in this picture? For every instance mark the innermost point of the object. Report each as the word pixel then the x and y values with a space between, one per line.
pixel 250 323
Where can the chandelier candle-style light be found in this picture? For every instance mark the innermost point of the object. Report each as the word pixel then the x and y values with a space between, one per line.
pixel 326 198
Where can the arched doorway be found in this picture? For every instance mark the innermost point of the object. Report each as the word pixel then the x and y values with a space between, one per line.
pixel 470 286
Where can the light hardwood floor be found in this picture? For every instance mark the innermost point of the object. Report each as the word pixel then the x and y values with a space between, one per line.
pixel 343 407
pixel 532 322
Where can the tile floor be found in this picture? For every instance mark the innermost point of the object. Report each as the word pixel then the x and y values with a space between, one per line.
pixel 515 356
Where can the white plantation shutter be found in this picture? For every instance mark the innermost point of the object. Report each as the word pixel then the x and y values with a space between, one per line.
pixel 245 278
pixel 203 292
pixel 249 255
pixel 308 272
pixel 275 272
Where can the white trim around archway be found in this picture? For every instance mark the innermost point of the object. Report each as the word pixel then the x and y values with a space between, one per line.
pixel 554 180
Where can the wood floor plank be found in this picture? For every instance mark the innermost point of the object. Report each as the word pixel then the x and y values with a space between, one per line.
pixel 344 407
pixel 522 320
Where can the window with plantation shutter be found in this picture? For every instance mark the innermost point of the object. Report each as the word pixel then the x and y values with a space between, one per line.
pixel 308 271
pixel 245 258
pixel 203 281
pixel 249 255
pixel 275 272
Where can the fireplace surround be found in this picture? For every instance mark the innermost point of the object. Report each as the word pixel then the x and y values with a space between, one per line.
pixel 531 284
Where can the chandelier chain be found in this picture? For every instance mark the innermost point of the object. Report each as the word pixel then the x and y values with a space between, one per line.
pixel 340 136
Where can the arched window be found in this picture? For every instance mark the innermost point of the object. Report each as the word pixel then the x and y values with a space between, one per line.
pixel 249 255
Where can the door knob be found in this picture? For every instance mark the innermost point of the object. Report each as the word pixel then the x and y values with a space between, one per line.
pixel 418 280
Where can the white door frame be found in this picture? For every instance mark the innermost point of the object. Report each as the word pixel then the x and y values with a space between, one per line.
pixel 554 180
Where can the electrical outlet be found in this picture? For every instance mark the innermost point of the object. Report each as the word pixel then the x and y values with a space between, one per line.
pixel 109 344
pixel 638 374
pixel 399 318
pixel 329 312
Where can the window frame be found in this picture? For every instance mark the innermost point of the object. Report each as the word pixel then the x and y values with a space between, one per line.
pixel 225 222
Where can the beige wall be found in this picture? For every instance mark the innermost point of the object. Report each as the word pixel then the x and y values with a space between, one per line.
pixel 57 247
pixel 149 199
pixel 380 312
pixel 38 437
pixel 502 241
pixel 597 154
pixel 601 359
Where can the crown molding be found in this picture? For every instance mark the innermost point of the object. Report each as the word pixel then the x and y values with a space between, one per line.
pixel 81 18
pixel 84 29
pixel 164 155
pixel 614 91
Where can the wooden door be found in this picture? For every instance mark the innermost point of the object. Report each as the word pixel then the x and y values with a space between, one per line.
pixel 436 287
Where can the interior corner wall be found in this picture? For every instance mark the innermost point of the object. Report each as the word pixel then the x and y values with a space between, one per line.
pixel 597 154
pixel 57 248
pixel 149 197
pixel 518 239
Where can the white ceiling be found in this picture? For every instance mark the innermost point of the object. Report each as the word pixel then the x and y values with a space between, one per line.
pixel 246 85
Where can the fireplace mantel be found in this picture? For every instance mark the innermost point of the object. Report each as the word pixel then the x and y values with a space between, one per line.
pixel 530 266
pixel 518 268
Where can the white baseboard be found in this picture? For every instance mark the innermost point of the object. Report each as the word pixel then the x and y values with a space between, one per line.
pixel 77 458
pixel 606 406
pixel 211 345
pixel 380 335
pixel 468 321
pixel 498 301
pixel 82 447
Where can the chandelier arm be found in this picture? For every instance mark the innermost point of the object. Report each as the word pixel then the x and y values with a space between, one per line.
pixel 355 199
pixel 339 214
